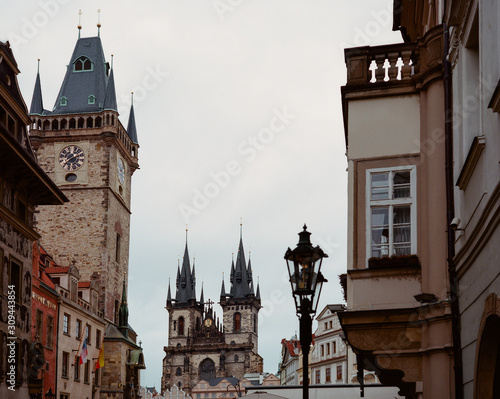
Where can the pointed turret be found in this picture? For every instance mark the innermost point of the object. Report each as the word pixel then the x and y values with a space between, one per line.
pixel 223 290
pixel 110 97
pixel 36 101
pixel 169 295
pixel 123 312
pixel 240 286
pixel 257 295
pixel 85 83
pixel 131 129
pixel 202 298
pixel 186 286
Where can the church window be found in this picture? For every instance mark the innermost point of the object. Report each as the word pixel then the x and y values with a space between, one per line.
pixel 178 371
pixel 118 244
pixel 207 370
pixel 175 325
pixel 83 64
pixel 237 322
pixel 91 99
pixel 63 101
pixel 181 325
pixel 236 358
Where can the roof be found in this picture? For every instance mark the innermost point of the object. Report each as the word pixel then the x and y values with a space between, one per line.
pixel 216 381
pixel 57 270
pixel 292 346
pixel 79 85
pixel 84 284
pixel 131 129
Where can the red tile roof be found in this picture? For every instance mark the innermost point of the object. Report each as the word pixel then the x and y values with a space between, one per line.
pixel 59 269
pixel 84 284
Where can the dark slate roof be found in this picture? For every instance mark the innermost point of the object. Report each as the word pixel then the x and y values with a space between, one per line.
pixel 186 286
pixel 110 97
pixel 79 85
pixel 231 380
pixel 36 101
pixel 131 129
pixel 241 280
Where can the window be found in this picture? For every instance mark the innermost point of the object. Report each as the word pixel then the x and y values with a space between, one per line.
pixel 78 329
pixel 97 338
pixel 326 326
pixel 391 215
pixel 178 371
pixel 39 326
pixel 207 370
pixel 89 335
pixel 49 340
pixel 86 372
pixel 63 101
pixel 91 99
pixel 65 364
pixel 15 278
pixel 96 377
pixel 318 377
pixel 322 350
pixel 77 368
pixel 331 324
pixel 181 325
pixel 66 320
pixel 83 64
pixel 64 396
pixel 237 322
pixel 118 244
pixel 339 372
pixel 328 375
pixel 328 348
pixel 334 347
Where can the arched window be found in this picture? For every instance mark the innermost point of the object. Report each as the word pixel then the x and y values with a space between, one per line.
pixel 83 64
pixel 207 369
pixel 63 101
pixel 237 322
pixel 178 371
pixel 91 99
pixel 181 325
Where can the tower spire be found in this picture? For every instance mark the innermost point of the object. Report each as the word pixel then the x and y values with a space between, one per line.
pixel 131 129
pixel 36 101
pixel 79 22
pixel 123 313
pixel 110 96
pixel 98 22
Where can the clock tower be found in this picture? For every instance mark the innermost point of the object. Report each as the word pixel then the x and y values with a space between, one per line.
pixel 89 154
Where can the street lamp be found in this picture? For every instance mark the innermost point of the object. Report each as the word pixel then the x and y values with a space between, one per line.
pixel 306 280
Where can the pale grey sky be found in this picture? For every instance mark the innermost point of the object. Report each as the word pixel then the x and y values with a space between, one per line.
pixel 238 114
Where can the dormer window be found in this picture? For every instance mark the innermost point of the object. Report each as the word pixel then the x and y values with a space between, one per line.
pixel 63 101
pixel 83 64
pixel 91 99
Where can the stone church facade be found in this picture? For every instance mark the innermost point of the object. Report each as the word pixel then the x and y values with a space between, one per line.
pixel 200 345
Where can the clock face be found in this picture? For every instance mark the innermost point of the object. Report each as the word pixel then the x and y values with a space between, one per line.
pixel 208 322
pixel 121 171
pixel 71 157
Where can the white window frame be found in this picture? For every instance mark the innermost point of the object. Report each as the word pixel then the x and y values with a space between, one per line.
pixel 411 200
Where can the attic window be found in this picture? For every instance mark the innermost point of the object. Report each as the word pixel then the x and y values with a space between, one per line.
pixel 91 99
pixel 63 101
pixel 83 64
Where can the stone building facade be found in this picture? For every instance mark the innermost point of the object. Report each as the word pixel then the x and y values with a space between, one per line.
pixel 85 149
pixel 200 346
pixel 23 185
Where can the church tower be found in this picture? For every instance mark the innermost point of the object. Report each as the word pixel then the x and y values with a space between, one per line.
pixel 241 304
pixel 86 150
pixel 200 346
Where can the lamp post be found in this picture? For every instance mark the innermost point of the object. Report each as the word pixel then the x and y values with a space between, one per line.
pixel 306 280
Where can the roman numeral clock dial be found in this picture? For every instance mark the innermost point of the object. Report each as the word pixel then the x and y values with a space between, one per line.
pixel 71 157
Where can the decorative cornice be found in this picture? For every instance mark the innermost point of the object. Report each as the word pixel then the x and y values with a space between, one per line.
pixel 475 151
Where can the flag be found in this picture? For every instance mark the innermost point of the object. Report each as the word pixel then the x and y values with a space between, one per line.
pixel 100 359
pixel 84 353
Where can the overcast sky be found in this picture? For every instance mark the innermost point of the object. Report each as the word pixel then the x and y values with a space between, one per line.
pixel 238 114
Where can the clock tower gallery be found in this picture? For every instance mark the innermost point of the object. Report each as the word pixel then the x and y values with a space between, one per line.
pixel 85 149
